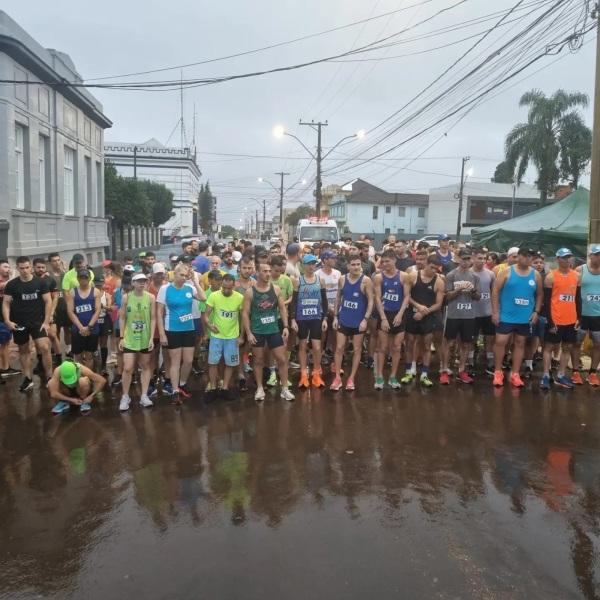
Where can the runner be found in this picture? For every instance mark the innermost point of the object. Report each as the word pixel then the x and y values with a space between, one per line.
pixel 27 311
pixel 69 280
pixel 223 318
pixel 392 295
pixel 157 280
pixel 426 299
pixel 560 301
pixel 538 331
pixel 105 323
pixel 137 323
pixel 444 253
pixel 263 305
pixel 330 277
pixel 243 283
pixel 353 309
pixel 462 293
pixel 309 319
pixel 83 308
pixel 73 384
pixel 483 310
pixel 5 332
pixel 60 318
pixel 40 270
pixel 516 304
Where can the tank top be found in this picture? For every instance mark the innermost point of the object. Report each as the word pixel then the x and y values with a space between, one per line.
pixel 424 293
pixel 264 312
pixel 84 309
pixel 309 306
pixel 517 297
pixel 392 292
pixel 590 293
pixel 137 321
pixel 562 302
pixel 354 303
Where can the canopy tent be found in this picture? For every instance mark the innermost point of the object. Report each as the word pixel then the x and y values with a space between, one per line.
pixel 564 223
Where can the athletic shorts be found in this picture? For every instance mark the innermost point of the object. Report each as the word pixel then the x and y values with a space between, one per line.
pixel 272 340
pixel 227 349
pixel 310 329
pixel 390 316
pixel 428 324
pixel 590 323
pixel 106 325
pixel 523 329
pixel 32 331
pixel 5 334
pixel 465 328
pixel 561 333
pixel 61 318
pixel 484 326
pixel 181 339
pixel 83 343
pixel 130 351
pixel 349 331
pixel 539 329
pixel 198 326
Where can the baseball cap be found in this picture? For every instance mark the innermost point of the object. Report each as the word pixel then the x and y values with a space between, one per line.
pixel 83 273
pixel 465 253
pixel 327 254
pixel 513 250
pixel 106 262
pixel 158 268
pixel 78 257
pixel 563 253
pixel 186 258
pixel 293 249
pixel 236 255
pixel 69 373
pixel 309 258
pixel 443 236
pixel 595 249
pixel 139 277
pixel 174 258
pixel 142 254
pixel 129 268
pixel 524 251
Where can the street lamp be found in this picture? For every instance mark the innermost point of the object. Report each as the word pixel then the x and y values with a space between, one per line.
pixel 465 160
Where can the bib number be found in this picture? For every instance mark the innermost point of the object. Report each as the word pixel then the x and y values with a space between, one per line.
pixel 391 297
pixel 138 326
pixel 267 320
pixel 485 296
pixel 464 306
pixel 350 305
pixel 227 314
pixel 566 298
pixel 522 301
pixel 310 312
pixel 593 297
pixel 185 318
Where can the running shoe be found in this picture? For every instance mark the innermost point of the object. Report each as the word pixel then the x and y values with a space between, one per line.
pixel 26 385
pixel 287 395
pixel 272 381
pixel 317 380
pixel 564 382
pixel 259 396
pixel 593 380
pixel 183 391
pixel 408 377
pixel 336 385
pixel 498 379
pixel 576 378
pixel 545 382
pixel 293 365
pixel 444 378
pixel 425 381
pixel 247 368
pixel 145 401
pixel 152 391
pixel 350 384
pixel 515 380
pixel 116 380
pixel 304 382
pixel 61 407
pixel 379 382
pixel 167 389
pixel 370 362
pixel 489 370
pixel 464 377
pixel 242 384
pixel 9 372
pixel 394 383
pixel 528 372
pixel 85 407
pixel 125 402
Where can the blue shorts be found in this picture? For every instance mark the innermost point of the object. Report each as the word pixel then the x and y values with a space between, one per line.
pixel 227 349
pixel 5 334
pixel 539 329
pixel 523 329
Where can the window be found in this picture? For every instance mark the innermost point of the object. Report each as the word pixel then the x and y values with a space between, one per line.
pixel 421 214
pixel 420 231
pixel 402 211
pixel 20 165
pixel 69 181
pixel 376 212
pixel 99 180
pixel 21 88
pixel 69 117
pixel 87 130
pixel 88 203
pixel 400 231
pixel 43 101
pixel 387 231
pixel 43 171
pixel 388 210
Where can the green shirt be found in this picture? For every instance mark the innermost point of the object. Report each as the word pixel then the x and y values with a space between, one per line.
pixel 225 314
pixel 284 283
pixel 70 282
pixel 264 312
pixel 137 321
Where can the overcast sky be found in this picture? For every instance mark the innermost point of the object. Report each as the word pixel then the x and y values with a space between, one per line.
pixel 238 117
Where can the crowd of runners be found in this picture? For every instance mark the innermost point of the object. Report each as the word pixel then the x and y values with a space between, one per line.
pixel 248 314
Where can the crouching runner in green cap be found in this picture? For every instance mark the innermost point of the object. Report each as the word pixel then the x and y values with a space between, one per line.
pixel 74 384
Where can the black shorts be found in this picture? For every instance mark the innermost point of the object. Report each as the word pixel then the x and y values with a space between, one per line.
pixel 390 316
pixel 522 329
pixel 83 343
pixel 130 351
pixel 465 328
pixel 181 339
pixel 563 333
pixel 272 340
pixel 61 318
pixel 31 331
pixel 349 331
pixel 484 326
pixel 590 323
pixel 106 325
pixel 428 324
pixel 311 328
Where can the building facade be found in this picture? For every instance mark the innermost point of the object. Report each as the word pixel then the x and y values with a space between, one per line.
pixel 176 168
pixel 483 204
pixel 51 153
pixel 362 208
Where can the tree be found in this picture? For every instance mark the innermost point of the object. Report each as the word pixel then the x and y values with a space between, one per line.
pixel 125 199
pixel 503 173
pixel 302 212
pixel 549 120
pixel 227 231
pixel 575 150
pixel 160 199
pixel 205 208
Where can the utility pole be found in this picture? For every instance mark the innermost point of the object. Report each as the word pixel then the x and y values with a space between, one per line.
pixel 282 175
pixel 319 191
pixel 594 231
pixel 465 160
pixel 256 224
pixel 135 163
pixel 264 224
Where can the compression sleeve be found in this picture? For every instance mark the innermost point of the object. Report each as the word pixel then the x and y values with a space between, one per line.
pixel 324 302
pixel 293 304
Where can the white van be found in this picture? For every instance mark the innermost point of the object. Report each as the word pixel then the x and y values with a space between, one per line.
pixel 317 229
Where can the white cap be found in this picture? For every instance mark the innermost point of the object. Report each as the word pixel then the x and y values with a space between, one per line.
pixel 129 268
pixel 158 268
pixel 236 255
pixel 139 277
pixel 513 250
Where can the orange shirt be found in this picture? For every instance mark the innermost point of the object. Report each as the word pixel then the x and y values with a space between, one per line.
pixel 562 304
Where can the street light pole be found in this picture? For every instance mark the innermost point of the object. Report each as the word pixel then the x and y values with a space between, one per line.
pixel 282 175
pixel 465 160
pixel 319 157
pixel 594 232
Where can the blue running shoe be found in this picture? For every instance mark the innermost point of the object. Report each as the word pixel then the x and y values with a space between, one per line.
pixel 61 407
pixel 545 382
pixel 167 389
pixel 85 407
pixel 565 382
pixel 152 391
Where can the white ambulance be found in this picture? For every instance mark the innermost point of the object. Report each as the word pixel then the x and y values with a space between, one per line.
pixel 317 229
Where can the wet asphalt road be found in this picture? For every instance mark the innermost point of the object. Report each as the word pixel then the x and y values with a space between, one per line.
pixel 448 493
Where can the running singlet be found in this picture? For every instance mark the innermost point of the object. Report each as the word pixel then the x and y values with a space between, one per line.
pixel 264 312
pixel 354 304
pixel 137 321
pixel 331 284
pixel 424 293
pixel 445 260
pixel 590 293
pixel 178 303
pixel 562 302
pixel 483 306
pixel 517 297
pixel 392 293
pixel 84 308
pixel 309 305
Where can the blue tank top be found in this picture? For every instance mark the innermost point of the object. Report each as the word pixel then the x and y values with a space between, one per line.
pixel 309 300
pixel 590 293
pixel 84 309
pixel 517 297
pixel 392 292
pixel 354 304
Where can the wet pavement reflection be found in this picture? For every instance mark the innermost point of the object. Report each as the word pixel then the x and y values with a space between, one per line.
pixel 448 493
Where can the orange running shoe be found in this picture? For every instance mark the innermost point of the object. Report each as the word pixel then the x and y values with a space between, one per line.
pixel 515 380
pixel 593 380
pixel 304 383
pixel 498 378
pixel 317 381
pixel 576 378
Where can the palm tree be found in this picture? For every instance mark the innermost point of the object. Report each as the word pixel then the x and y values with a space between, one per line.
pixel 551 127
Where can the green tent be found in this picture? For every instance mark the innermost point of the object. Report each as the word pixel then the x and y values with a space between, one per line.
pixel 564 223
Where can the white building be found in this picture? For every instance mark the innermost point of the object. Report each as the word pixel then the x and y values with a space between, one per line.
pixel 362 208
pixel 51 159
pixel 483 204
pixel 176 168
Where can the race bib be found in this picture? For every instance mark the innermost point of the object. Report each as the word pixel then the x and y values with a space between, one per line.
pixel 267 320
pixel 351 305
pixel 391 297
pixel 566 298
pixel 310 312
pixel 138 326
pixel 184 318
pixel 83 308
pixel 485 295
pixel 464 306
pixel 522 301
pixel 227 314
pixel 593 297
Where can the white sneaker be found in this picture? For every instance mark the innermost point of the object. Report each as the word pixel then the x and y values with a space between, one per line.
pixel 125 401
pixel 112 359
pixel 287 395
pixel 145 401
pixel 260 394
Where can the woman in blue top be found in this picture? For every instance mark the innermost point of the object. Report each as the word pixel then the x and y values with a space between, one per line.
pixel 175 319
